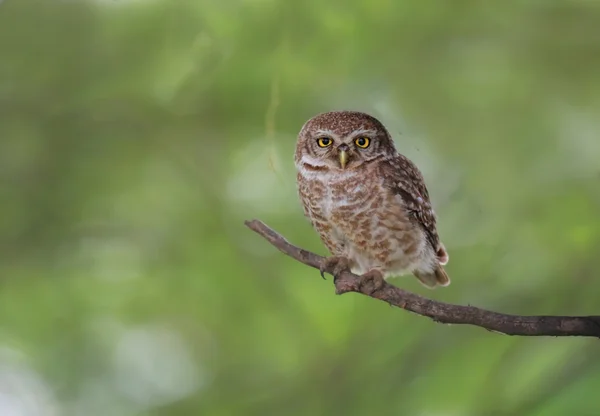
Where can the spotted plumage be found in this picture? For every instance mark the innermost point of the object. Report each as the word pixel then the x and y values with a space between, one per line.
pixel 368 203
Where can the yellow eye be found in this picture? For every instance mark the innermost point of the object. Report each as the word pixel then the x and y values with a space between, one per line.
pixel 324 142
pixel 363 142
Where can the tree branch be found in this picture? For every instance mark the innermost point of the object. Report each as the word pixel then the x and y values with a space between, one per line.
pixel 560 326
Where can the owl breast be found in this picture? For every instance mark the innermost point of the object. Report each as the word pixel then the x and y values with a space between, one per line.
pixel 357 218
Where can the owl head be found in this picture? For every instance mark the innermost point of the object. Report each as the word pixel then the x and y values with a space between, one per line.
pixel 342 141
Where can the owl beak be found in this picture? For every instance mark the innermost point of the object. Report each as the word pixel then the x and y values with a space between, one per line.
pixel 343 158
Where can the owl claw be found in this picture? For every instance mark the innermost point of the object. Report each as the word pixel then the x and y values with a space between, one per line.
pixel 334 265
pixel 372 280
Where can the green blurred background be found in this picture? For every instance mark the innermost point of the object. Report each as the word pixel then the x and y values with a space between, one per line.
pixel 137 136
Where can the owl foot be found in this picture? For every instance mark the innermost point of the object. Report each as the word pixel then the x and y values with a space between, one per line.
pixel 334 265
pixel 372 281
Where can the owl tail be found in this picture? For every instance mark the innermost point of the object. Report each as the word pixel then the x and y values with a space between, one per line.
pixel 438 277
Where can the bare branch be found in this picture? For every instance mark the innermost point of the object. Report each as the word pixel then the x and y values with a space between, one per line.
pixel 559 326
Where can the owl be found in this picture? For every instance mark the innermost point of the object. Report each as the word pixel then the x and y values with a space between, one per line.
pixel 368 202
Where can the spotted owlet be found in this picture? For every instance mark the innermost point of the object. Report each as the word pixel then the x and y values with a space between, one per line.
pixel 368 203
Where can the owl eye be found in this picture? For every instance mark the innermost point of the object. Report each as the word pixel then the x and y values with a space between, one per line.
pixel 324 141
pixel 363 142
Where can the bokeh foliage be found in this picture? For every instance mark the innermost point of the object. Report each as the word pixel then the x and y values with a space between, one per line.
pixel 136 136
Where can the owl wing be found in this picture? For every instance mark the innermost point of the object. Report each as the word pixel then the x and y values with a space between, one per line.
pixel 404 179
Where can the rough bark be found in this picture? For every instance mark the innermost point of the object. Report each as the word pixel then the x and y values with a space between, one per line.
pixel 438 311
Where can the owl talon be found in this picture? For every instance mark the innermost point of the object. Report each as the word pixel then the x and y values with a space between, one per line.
pixel 372 281
pixel 334 265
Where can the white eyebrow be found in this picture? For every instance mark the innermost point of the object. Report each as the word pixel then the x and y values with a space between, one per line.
pixel 367 132
pixel 325 132
pixel 357 132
